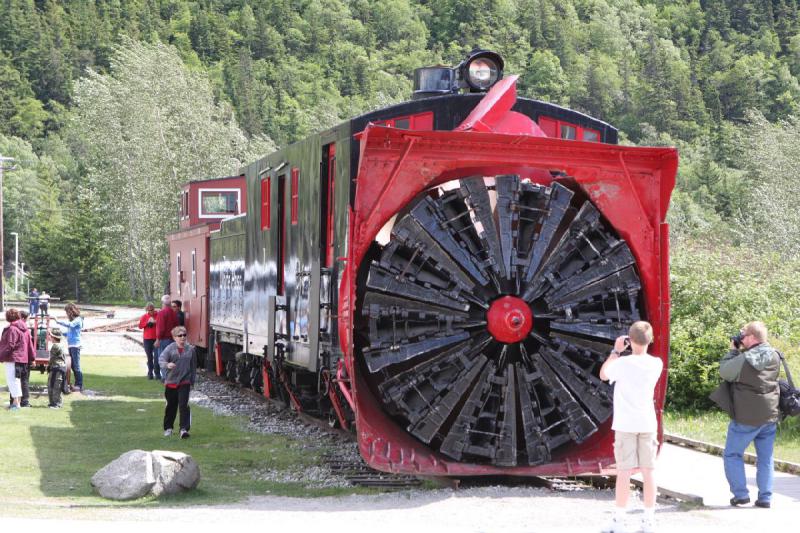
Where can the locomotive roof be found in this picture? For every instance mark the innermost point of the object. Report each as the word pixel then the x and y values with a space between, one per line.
pixel 210 178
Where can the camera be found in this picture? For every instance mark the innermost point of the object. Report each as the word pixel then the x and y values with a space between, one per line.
pixel 737 340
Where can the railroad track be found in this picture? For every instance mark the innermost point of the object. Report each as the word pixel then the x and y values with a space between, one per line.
pixel 357 473
pixel 354 471
pixel 116 326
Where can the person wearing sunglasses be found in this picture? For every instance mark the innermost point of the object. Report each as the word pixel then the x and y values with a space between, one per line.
pixel 178 368
pixel 751 368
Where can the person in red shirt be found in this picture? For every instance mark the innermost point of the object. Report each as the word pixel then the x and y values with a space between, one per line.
pixel 147 323
pixel 25 369
pixel 166 319
pixel 14 353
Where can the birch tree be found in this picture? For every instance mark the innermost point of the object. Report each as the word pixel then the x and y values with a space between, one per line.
pixel 142 130
pixel 770 216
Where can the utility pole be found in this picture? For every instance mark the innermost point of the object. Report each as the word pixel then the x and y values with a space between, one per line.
pixel 2 168
pixel 16 260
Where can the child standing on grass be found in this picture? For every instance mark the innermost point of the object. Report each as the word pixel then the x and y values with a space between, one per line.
pixel 635 426
pixel 57 367
pixel 178 368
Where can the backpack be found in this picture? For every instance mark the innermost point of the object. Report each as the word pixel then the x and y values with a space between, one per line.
pixel 789 403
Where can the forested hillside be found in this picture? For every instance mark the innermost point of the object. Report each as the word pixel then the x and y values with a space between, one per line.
pixel 108 105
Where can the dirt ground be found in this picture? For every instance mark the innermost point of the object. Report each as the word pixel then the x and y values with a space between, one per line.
pixel 486 509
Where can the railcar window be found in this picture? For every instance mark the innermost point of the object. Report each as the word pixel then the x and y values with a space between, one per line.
pixel 219 202
pixel 265 208
pixel 178 273
pixel 564 130
pixel 568 132
pixel 420 121
pixel 194 272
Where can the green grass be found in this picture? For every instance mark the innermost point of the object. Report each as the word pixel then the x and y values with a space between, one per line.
pixel 50 455
pixel 712 427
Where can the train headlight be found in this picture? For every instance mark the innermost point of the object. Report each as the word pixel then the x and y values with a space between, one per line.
pixel 478 73
pixel 481 70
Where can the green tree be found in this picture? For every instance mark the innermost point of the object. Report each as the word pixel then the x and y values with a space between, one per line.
pixel 544 79
pixel 143 129
pixel 69 256
pixel 28 191
pixel 21 114
pixel 768 218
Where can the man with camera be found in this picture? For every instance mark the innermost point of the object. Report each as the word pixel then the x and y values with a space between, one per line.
pixel 751 369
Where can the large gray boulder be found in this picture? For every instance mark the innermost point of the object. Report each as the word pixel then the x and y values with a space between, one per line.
pixel 138 473
pixel 174 471
pixel 127 477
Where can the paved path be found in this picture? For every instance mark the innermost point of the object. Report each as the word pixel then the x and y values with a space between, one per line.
pixel 702 475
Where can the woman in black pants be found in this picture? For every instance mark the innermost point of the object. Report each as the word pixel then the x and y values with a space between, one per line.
pixel 177 364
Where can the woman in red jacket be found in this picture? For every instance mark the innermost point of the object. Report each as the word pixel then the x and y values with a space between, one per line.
pixel 148 324
pixel 14 353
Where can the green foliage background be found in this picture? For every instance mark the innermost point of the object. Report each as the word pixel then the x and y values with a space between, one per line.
pixel 714 292
pixel 717 78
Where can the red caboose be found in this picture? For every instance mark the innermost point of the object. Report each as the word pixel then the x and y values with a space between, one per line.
pixel 204 204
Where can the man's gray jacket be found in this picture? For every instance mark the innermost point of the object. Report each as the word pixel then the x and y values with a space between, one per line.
pixel 753 375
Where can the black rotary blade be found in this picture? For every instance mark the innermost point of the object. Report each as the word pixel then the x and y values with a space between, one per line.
pixel 433 356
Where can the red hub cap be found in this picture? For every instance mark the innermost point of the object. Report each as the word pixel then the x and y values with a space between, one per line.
pixel 509 319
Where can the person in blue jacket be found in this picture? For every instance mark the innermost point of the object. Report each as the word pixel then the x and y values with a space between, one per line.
pixel 74 326
pixel 33 302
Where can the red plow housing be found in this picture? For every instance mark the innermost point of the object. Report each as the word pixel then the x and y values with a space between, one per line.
pixel 564 242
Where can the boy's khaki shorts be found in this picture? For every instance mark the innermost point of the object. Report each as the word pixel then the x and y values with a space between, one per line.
pixel 635 450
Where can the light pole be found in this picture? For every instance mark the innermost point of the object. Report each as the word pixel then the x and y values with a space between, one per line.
pixel 2 167
pixel 16 259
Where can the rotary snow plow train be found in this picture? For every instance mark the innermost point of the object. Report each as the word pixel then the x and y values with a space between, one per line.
pixel 446 275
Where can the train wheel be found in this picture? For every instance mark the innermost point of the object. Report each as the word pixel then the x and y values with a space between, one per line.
pixel 486 314
pixel 230 370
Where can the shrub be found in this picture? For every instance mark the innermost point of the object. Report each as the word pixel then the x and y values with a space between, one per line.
pixel 714 292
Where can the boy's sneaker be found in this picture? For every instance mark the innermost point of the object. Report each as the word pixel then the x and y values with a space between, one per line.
pixel 648 525
pixel 184 434
pixel 167 432
pixel 615 525
pixel 14 408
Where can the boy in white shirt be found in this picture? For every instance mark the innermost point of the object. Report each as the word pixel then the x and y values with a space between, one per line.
pixel 635 426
